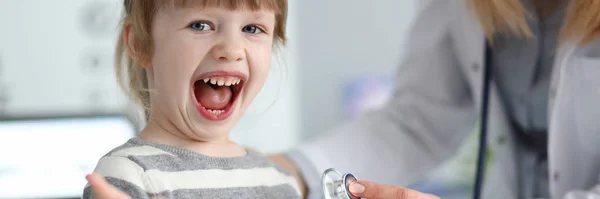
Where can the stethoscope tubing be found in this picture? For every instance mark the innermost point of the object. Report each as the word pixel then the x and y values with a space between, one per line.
pixel 481 153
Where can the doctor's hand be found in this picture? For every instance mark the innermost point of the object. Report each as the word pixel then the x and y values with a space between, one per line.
pixel 593 193
pixel 370 190
pixel 101 189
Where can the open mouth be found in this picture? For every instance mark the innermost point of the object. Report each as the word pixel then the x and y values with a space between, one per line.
pixel 216 95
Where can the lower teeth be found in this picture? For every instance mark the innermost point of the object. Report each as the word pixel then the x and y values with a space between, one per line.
pixel 215 112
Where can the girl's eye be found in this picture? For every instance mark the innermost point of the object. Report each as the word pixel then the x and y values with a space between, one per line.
pixel 200 26
pixel 254 29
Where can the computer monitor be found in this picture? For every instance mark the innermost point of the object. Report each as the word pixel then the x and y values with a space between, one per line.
pixel 49 157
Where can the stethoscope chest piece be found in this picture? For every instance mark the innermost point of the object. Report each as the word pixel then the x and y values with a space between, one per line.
pixel 335 184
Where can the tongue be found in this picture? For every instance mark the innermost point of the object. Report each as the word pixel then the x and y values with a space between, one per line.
pixel 213 97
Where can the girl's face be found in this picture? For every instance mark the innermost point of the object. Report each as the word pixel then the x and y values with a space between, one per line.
pixel 208 65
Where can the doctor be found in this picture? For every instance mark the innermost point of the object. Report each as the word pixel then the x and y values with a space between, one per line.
pixel 544 102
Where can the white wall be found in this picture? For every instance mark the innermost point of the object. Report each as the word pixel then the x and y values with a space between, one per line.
pixel 340 39
pixel 56 57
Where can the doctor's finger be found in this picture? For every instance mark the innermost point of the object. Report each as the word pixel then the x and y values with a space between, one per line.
pixel 581 195
pixel 102 189
pixel 371 190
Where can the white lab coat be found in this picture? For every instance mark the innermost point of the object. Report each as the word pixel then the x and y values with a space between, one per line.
pixel 437 102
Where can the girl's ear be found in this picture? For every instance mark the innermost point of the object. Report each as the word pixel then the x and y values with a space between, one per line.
pixel 132 46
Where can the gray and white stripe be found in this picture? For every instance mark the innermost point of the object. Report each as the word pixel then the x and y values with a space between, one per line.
pixel 142 169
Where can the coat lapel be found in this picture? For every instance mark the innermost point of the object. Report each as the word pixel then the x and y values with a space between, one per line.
pixel 469 44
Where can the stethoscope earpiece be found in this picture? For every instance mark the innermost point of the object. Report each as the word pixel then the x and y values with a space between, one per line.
pixel 335 184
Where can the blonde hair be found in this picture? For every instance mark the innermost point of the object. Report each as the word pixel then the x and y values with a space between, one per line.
pixel 581 24
pixel 139 15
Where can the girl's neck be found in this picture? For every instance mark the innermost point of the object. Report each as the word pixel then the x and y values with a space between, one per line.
pixel 222 147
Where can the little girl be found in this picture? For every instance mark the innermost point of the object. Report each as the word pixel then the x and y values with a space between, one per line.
pixel 195 66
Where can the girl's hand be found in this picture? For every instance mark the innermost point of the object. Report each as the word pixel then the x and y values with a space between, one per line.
pixel 102 189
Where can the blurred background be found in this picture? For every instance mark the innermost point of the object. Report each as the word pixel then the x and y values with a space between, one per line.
pixel 61 109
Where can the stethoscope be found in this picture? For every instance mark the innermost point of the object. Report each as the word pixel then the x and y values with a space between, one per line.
pixel 336 186
pixel 485 101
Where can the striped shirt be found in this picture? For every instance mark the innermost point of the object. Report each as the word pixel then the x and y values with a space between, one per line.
pixel 143 169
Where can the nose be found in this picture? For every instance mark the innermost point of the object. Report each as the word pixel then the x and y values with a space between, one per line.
pixel 229 50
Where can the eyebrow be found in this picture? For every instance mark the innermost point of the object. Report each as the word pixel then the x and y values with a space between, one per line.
pixel 261 15
pixel 258 15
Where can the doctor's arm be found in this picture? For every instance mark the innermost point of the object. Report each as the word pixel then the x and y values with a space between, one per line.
pixel 429 115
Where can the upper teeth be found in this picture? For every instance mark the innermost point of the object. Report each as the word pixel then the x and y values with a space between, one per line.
pixel 222 81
